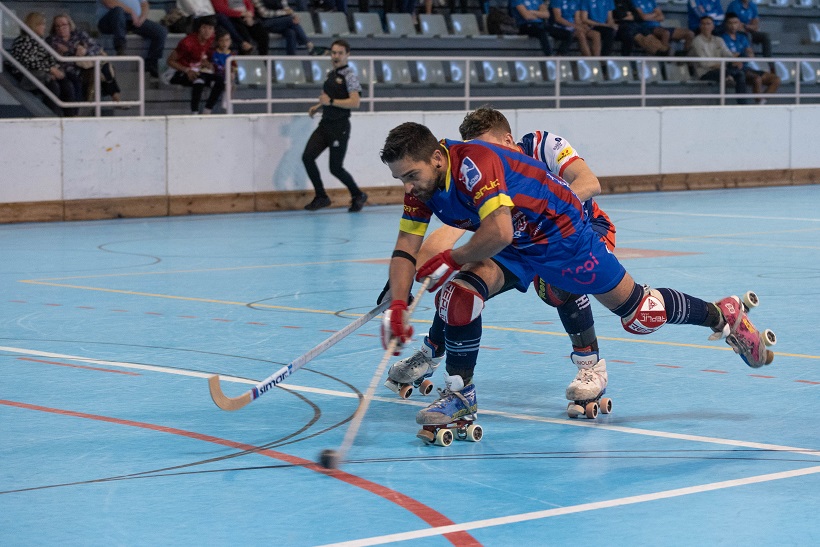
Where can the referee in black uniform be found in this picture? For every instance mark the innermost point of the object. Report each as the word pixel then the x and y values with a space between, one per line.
pixel 341 93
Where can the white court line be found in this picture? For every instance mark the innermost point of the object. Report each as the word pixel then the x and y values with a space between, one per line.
pixel 715 215
pixel 395 400
pixel 535 515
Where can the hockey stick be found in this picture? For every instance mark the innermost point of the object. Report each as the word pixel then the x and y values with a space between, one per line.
pixel 330 459
pixel 235 403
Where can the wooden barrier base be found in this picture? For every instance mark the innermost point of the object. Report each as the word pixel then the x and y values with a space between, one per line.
pixel 157 206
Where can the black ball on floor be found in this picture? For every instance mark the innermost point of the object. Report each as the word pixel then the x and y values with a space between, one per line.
pixel 329 459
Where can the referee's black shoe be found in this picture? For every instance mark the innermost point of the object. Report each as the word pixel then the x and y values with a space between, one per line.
pixel 357 203
pixel 318 202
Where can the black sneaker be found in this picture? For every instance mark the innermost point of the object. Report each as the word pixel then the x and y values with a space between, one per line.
pixel 357 203
pixel 318 203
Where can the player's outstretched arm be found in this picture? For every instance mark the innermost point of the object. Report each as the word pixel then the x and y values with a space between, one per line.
pixel 582 180
pixel 494 234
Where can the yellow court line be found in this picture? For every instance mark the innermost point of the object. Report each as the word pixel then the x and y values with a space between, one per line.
pixel 330 312
pixel 234 268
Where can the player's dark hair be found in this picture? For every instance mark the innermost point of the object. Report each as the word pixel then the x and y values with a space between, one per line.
pixel 344 43
pixel 482 120
pixel 409 140
pixel 199 22
pixel 730 15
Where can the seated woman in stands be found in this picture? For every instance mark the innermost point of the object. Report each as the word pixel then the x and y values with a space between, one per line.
pixel 68 40
pixel 43 66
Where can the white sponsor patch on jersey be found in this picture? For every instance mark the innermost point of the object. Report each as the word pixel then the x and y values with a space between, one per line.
pixel 470 174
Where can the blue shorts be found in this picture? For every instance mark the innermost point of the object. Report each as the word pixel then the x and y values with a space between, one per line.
pixel 580 264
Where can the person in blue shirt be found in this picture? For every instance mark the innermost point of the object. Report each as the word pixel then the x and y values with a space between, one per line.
pixel 597 14
pixel 738 43
pixel 566 14
pixel 652 16
pixel 118 17
pixel 702 8
pixel 746 11
pixel 533 19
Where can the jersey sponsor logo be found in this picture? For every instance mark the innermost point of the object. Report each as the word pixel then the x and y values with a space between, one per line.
pixel 489 187
pixel 410 210
pixel 564 154
pixel 587 267
pixel 470 175
pixel 519 221
pixel 558 143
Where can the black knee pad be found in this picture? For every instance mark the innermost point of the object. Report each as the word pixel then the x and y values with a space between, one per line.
pixel 551 294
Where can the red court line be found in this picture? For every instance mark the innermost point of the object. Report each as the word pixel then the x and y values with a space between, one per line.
pixel 221 320
pixel 668 366
pixel 760 376
pixel 290 327
pixel 624 362
pixel 152 313
pixel 808 382
pixel 532 352
pixel 427 514
pixel 256 323
pixel 126 372
pixel 715 371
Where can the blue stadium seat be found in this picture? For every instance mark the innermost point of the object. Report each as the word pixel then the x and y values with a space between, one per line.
pixel 289 72
pixel 496 72
pixel 809 73
pixel 319 69
pixel 430 73
pixel 395 72
pixel 400 24
pixel 367 24
pixel 433 25
pixel 619 72
pixel 465 24
pixel 333 23
pixel 529 72
pixel 252 73
pixel 457 72
pixel 361 70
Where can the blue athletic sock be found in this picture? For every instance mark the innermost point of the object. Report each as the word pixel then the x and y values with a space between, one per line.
pixel 462 342
pixel 682 309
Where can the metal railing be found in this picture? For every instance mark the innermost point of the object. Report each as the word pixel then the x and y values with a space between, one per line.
pixel 98 103
pixel 557 88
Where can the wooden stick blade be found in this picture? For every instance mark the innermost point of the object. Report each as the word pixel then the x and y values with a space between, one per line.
pixel 223 401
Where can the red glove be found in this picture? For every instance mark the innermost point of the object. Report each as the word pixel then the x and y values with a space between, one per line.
pixel 440 269
pixel 393 326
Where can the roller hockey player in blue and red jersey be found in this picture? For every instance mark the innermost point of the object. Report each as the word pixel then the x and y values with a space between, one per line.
pixel 526 222
pixel 562 159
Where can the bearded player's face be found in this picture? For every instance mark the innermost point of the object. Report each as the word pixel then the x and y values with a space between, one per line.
pixel 420 178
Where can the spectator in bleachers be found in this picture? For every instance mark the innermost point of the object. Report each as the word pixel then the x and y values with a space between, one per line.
pixel 597 14
pixel 652 17
pixel 533 19
pixel 739 44
pixel 746 11
pixel 628 21
pixel 706 44
pixel 702 8
pixel 219 58
pixel 118 17
pixel 191 65
pixel 243 26
pixel 42 65
pixel 566 15
pixel 67 40
pixel 277 16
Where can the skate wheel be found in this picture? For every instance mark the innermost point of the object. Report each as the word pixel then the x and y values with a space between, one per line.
pixel 426 436
pixel 750 300
pixel 426 387
pixel 474 433
pixel 405 391
pixel 605 405
pixel 769 357
pixel 769 337
pixel 573 410
pixel 444 437
pixel 592 410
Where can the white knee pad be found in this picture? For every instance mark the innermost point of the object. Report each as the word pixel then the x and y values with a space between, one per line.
pixel 650 315
pixel 458 305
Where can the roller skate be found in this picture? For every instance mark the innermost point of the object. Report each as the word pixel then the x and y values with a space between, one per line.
pixel 587 389
pixel 452 416
pixel 414 371
pixel 739 332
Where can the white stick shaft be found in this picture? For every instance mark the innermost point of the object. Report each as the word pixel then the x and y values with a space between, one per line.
pixel 356 422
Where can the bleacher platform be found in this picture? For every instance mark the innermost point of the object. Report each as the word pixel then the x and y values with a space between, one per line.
pixel 793 24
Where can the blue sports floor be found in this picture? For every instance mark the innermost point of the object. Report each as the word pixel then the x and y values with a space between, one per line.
pixel 108 435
